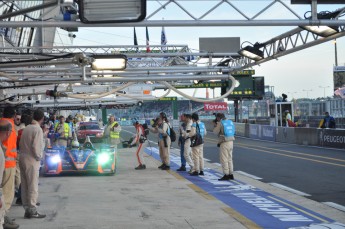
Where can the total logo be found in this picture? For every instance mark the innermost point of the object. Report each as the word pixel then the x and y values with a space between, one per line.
pixel 215 106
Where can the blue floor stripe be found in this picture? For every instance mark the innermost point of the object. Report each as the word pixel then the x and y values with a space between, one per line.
pixel 265 209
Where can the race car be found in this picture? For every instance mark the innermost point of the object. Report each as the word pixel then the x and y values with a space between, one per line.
pixel 59 159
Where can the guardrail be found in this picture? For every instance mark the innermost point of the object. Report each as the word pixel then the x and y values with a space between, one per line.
pixel 334 138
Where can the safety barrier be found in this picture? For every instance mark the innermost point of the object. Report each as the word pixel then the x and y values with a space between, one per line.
pixel 334 138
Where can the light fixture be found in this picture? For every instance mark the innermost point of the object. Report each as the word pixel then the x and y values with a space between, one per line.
pixel 322 30
pixel 109 62
pixel 112 11
pixel 252 52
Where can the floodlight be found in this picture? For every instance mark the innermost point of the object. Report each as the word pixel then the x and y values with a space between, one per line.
pixel 251 52
pixel 112 11
pixel 109 62
pixel 322 30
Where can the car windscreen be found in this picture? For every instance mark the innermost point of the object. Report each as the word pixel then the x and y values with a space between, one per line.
pixel 89 127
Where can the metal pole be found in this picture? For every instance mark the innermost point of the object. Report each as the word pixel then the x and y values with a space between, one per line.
pixel 176 23
pixel 236 109
pixel 336 52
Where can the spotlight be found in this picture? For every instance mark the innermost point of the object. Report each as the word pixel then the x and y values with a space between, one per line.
pixel 322 30
pixel 252 52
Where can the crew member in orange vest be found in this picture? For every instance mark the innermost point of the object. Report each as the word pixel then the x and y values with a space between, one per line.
pixel 10 166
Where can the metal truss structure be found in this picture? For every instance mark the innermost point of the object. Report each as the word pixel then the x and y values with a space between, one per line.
pixel 187 7
pixel 174 63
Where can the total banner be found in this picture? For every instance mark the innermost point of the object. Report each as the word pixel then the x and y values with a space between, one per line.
pixel 216 106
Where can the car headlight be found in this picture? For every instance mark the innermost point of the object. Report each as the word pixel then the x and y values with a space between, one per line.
pixel 103 158
pixel 55 159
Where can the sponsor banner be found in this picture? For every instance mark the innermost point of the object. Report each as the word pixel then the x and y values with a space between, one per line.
pixel 268 133
pixel 254 131
pixel 264 209
pixel 332 138
pixel 217 106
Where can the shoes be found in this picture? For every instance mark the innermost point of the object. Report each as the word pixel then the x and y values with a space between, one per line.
pixel 225 177
pixel 140 167
pixel 182 168
pixel 161 166
pixel 191 170
pixel 231 177
pixel 201 173
pixel 38 204
pixel 165 167
pixel 19 201
pixel 35 215
pixel 195 173
pixel 9 224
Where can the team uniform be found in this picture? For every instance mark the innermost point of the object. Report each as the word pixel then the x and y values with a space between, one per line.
pixel 31 146
pixel 2 168
pixel 113 132
pixel 225 130
pixel 198 151
pixel 187 148
pixel 65 133
pixel 10 166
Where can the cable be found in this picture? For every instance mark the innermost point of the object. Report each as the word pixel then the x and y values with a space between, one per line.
pixel 202 100
pixel 138 98
pixel 101 95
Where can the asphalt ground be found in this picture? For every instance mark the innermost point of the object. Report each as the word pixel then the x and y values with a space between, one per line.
pixel 317 172
pixel 146 199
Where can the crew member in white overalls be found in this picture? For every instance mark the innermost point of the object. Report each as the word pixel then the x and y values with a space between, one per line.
pixel 225 129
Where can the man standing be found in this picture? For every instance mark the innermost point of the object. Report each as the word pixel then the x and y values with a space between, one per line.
pixel 5 132
pixel 197 149
pixel 181 143
pixel 31 147
pixel 140 138
pixel 225 129
pixel 187 148
pixel 10 165
pixel 64 130
pixel 112 131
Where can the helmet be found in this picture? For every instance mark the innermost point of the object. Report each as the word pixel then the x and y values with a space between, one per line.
pixel 75 144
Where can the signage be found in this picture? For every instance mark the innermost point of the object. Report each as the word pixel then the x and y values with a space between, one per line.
pixel 244 73
pixel 216 106
pixel 332 138
pixel 168 99
pixel 203 85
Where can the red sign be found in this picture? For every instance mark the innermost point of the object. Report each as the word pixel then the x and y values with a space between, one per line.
pixel 217 106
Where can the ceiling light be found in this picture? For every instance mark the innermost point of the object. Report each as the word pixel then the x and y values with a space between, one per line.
pixel 109 62
pixel 112 11
pixel 322 30
pixel 251 52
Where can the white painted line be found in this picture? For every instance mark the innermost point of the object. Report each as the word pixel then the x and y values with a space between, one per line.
pixel 335 205
pixel 217 164
pixel 289 189
pixel 248 175
pixel 205 159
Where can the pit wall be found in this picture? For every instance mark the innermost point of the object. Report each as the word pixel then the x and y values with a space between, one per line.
pixel 334 138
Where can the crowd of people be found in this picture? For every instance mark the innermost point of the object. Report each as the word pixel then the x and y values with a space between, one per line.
pixel 20 135
pixel 25 136
pixel 192 133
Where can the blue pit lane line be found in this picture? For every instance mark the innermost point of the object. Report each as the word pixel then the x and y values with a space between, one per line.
pixel 265 209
